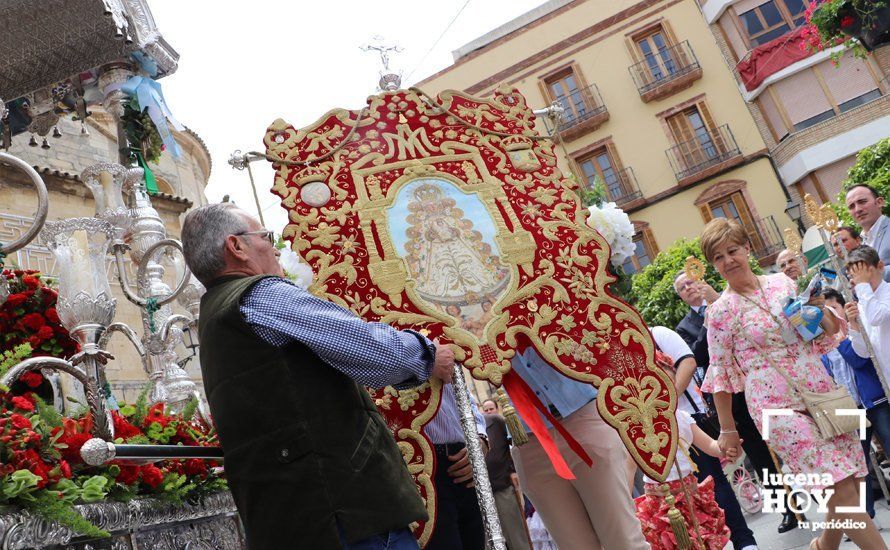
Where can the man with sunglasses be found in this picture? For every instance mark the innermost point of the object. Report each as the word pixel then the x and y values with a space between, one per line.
pixel 310 461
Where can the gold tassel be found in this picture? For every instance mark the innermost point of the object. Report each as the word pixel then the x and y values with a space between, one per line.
pixel 678 524
pixel 514 426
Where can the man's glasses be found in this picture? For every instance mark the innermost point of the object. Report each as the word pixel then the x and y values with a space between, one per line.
pixel 268 235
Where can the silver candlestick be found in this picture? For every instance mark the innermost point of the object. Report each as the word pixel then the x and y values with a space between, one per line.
pixel 139 231
pixel 85 307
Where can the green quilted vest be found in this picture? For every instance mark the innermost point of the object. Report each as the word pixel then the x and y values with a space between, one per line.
pixel 304 444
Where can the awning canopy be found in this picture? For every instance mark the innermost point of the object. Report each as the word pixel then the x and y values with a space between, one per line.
pixel 48 41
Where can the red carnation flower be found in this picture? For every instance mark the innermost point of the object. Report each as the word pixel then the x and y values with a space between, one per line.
pixel 32 379
pixel 74 443
pixel 33 321
pixel 34 341
pixel 156 414
pixel 123 428
pixel 847 21
pixel 52 315
pixel 152 476
pixel 15 300
pixel 22 404
pixel 20 422
pixel 195 467
pixel 128 475
pixel 45 332
pixel 31 281
pixel 65 469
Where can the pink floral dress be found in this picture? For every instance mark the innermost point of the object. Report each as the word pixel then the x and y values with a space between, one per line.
pixel 738 366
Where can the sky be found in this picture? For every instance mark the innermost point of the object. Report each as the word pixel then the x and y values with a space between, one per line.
pixel 244 64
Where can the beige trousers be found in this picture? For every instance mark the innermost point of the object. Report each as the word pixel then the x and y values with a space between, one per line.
pixel 595 510
pixel 512 519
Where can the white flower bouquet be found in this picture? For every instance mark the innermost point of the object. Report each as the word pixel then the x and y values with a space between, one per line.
pixel 615 226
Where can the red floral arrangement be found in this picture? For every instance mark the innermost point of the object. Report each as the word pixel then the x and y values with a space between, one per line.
pixel 40 463
pixel 41 467
pixel 29 317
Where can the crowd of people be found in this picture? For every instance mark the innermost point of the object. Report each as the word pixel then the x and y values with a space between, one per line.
pixel 311 463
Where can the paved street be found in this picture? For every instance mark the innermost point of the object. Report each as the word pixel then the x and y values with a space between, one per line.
pixel 764 526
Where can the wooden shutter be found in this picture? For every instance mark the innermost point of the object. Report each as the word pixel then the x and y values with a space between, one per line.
pixel 773 116
pixel 748 221
pixel 801 95
pixel 716 136
pixel 849 80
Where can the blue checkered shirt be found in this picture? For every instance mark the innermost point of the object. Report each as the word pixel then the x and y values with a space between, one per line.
pixel 372 354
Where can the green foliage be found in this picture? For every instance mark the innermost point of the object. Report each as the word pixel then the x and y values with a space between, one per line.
pixel 141 405
pixel 94 489
pixel 52 508
pixel 174 488
pixel 590 195
pixel 833 22
pixel 20 484
pixel 622 288
pixel 652 291
pixel 47 413
pixel 141 131
pixel 14 356
pixel 188 412
pixel 872 167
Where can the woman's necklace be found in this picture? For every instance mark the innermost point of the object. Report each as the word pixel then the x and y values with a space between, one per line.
pixel 789 335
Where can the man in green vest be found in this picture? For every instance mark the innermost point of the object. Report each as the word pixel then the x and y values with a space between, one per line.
pixel 309 459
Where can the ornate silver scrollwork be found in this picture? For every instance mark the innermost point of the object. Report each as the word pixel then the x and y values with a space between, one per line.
pixel 42 204
pixel 141 522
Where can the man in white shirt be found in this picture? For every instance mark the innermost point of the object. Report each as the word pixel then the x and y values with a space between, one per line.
pixel 866 270
pixel 866 206
pixel 671 344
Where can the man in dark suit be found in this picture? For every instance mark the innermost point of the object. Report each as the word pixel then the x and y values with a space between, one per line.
pixel 697 295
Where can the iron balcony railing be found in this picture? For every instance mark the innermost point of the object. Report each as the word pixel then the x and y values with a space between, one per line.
pixel 709 147
pixel 579 106
pixel 766 239
pixel 621 186
pixel 663 66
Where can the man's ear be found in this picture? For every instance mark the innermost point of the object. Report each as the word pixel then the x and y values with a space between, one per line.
pixel 235 247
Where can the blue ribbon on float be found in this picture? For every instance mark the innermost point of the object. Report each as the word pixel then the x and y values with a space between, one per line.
pixel 148 94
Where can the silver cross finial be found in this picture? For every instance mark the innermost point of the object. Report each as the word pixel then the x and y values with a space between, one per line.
pixel 379 45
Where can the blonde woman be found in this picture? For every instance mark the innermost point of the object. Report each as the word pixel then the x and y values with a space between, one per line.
pixel 749 339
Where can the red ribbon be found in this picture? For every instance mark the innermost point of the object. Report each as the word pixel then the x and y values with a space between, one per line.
pixel 525 401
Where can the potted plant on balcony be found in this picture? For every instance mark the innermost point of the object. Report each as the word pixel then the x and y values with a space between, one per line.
pixel 862 25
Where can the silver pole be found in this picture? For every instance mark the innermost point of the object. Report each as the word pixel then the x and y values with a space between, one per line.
pixel 484 493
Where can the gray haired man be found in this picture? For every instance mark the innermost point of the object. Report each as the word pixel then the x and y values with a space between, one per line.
pixel 310 461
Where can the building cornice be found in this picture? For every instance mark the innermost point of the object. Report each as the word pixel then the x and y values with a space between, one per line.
pixel 70 184
pixel 832 150
pixel 713 9
pixel 547 52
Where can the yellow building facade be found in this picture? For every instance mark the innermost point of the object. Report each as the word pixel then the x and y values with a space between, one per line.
pixel 649 108
pixel 815 115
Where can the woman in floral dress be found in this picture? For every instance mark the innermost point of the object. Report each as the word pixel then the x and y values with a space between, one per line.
pixel 745 325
